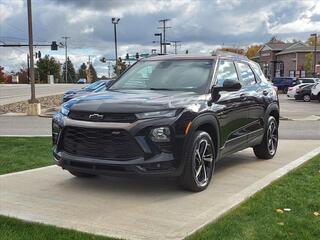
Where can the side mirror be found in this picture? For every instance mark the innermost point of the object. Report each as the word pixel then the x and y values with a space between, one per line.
pixel 228 86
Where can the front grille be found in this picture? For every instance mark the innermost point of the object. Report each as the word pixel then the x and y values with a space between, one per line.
pixel 107 117
pixel 100 143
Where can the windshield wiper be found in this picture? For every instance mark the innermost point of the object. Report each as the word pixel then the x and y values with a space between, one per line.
pixel 165 89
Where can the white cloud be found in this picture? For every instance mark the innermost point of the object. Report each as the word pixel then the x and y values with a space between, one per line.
pixel 87 29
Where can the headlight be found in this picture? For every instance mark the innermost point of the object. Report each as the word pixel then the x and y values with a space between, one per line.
pixel 165 113
pixel 160 134
pixel 64 111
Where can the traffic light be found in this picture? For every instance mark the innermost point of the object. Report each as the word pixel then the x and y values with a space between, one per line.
pixel 103 59
pixel 38 54
pixel 54 46
pixel 127 56
pixel 137 55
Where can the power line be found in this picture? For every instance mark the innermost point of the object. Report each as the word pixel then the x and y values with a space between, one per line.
pixel 164 27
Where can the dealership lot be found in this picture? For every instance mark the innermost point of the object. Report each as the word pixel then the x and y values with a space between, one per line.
pixel 134 208
pixel 10 93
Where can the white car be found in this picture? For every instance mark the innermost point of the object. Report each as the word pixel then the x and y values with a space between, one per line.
pixel 315 91
pixel 293 90
pixel 308 80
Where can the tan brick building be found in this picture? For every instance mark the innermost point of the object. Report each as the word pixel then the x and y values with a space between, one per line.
pixel 279 59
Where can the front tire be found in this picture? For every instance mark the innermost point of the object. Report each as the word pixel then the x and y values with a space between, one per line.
pixel 81 174
pixel 268 148
pixel 199 160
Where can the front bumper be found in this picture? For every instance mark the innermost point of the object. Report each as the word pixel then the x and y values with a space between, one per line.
pixel 153 161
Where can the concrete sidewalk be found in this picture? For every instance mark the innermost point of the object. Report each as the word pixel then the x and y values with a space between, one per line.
pixel 134 208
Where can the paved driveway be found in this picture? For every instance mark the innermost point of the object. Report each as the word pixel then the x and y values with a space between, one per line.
pixel 134 208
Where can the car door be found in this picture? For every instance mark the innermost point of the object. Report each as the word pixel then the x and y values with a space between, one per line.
pixel 231 110
pixel 256 97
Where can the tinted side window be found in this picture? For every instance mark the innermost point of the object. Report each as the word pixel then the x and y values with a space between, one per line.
pixel 247 76
pixel 226 70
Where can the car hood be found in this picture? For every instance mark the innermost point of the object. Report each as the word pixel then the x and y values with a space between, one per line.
pixel 135 101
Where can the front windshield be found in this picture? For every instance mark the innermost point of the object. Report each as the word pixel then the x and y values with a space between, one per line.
pixel 174 75
pixel 93 86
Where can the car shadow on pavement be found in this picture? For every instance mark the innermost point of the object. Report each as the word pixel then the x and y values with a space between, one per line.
pixel 126 186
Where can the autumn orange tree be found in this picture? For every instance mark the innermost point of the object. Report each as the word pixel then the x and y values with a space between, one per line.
pixel 252 51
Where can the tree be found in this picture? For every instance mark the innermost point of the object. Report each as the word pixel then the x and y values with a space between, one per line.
pixel 83 71
pixel 252 51
pixel 311 41
pixel 23 75
pixel 71 78
pixel 233 50
pixel 122 67
pixel 93 73
pixel 274 39
pixel 47 66
pixel 2 75
pixel 308 63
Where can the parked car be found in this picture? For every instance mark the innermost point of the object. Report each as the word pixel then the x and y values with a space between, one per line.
pixel 315 91
pixel 308 80
pixel 98 86
pixel 292 90
pixel 304 93
pixel 170 116
pixel 283 83
pixel 82 81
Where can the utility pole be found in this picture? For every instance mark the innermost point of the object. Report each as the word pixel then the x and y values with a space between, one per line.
pixel 115 21
pixel 315 53
pixel 164 27
pixel 175 45
pixel 66 57
pixel 33 92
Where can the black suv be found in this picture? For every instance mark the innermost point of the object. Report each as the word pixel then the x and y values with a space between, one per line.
pixel 170 116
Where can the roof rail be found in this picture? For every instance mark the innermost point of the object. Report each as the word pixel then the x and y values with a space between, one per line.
pixel 221 53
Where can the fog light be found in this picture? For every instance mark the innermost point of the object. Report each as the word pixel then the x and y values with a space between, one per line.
pixel 160 134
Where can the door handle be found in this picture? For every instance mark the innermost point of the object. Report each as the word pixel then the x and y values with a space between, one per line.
pixel 243 96
pixel 265 92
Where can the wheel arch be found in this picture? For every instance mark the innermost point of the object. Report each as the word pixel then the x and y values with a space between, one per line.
pixel 273 110
pixel 209 124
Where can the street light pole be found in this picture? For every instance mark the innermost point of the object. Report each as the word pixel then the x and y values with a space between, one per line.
pixel 315 53
pixel 115 21
pixel 66 57
pixel 33 92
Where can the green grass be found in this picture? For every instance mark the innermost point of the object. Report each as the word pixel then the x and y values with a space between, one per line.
pixel 15 229
pixel 257 218
pixel 22 153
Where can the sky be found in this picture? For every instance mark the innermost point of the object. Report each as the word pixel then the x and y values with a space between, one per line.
pixel 201 25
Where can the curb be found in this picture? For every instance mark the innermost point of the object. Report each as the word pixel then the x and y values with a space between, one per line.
pixel 246 193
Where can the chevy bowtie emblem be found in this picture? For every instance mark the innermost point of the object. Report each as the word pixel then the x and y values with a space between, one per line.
pixel 96 116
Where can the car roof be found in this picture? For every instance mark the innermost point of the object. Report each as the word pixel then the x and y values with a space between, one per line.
pixel 179 57
pixel 219 55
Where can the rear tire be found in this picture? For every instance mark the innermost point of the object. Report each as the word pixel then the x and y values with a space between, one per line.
pixel 306 98
pixel 268 148
pixel 81 174
pixel 199 157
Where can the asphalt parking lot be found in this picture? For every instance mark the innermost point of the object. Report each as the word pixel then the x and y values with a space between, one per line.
pixel 298 110
pixel 139 208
